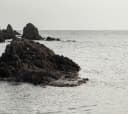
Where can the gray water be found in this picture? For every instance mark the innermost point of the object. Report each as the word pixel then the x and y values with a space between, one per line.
pixel 103 57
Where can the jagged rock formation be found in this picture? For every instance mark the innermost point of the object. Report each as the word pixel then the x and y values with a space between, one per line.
pixel 9 29
pixel 8 33
pixel 27 61
pixel 30 32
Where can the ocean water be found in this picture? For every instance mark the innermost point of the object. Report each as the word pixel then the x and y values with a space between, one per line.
pixel 103 57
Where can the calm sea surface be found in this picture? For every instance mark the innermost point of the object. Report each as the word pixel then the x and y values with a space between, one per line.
pixel 103 57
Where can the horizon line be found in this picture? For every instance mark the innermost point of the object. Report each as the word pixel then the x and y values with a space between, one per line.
pixel 123 30
pixel 83 29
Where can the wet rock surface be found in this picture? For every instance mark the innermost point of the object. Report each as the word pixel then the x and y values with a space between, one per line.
pixel 27 61
pixel 30 32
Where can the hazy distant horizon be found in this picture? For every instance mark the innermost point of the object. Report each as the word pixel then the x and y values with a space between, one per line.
pixel 122 31
pixel 65 14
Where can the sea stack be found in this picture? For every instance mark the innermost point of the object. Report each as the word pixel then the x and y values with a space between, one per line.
pixel 27 61
pixel 30 32
pixel 9 33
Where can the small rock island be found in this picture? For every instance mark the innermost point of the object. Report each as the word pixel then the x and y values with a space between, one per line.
pixel 27 61
pixel 8 33
pixel 30 32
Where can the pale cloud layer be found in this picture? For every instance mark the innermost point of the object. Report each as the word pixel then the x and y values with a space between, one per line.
pixel 65 14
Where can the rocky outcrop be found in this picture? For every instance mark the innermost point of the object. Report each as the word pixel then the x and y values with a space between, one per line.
pixel 9 29
pixel 8 33
pixel 1 37
pixel 27 61
pixel 30 32
pixel 52 39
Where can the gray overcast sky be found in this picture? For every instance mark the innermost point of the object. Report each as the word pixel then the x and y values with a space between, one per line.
pixel 65 14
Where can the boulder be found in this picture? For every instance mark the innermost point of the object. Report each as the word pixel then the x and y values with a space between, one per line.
pixel 52 39
pixel 30 32
pixel 27 61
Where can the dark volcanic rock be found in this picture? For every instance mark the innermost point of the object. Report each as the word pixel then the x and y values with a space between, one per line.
pixel 52 39
pixel 9 33
pixel 1 37
pixel 30 32
pixel 9 29
pixel 27 61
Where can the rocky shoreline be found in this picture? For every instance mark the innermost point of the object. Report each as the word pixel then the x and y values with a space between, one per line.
pixel 27 61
